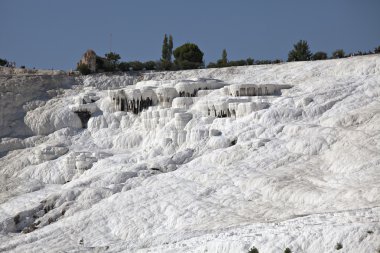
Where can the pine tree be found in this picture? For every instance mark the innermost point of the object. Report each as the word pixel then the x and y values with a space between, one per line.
pixel 301 52
pixel 113 59
pixel 170 48
pixel 188 56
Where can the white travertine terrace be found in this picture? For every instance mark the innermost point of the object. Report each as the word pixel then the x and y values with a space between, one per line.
pixel 133 100
pixel 182 102
pixel 181 119
pixel 166 95
pixel 160 105
pixel 229 107
pixel 190 88
pixel 298 168
pixel 187 93
pixel 240 90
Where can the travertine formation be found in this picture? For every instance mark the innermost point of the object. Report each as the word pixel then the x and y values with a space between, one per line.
pixel 235 100
pixel 178 161
pixel 182 101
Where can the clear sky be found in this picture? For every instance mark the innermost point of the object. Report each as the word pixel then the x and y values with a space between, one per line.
pixel 55 34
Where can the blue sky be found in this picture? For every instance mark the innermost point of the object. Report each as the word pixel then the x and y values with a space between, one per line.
pixel 54 34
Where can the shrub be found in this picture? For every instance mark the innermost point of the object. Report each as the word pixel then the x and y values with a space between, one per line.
pixel 3 62
pixel 165 65
pixel 338 54
pixel 83 69
pixel 150 65
pixel 250 61
pixel 99 63
pixel 188 65
pixel 319 56
pixel 253 250
pixel 377 50
pixel 136 65
pixel 219 64
pixel 338 246
pixel 108 66
pixel 16 219
pixel 105 65
pixel 188 56
pixel 287 250
pixel 237 63
pixel 261 62
pixel 212 65
pixel 124 66
pixel 300 52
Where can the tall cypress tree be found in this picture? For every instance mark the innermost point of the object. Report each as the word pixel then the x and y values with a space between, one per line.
pixel 224 58
pixel 170 48
pixel 165 49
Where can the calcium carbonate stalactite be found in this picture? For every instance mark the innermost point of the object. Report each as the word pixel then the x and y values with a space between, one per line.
pixel 178 101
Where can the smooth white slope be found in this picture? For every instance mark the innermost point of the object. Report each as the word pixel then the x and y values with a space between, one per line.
pixel 313 154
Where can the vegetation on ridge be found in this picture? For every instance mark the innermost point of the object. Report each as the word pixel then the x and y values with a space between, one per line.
pixel 190 56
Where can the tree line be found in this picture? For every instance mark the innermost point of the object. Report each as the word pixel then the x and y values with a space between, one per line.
pixel 301 52
pixel 186 56
pixel 189 56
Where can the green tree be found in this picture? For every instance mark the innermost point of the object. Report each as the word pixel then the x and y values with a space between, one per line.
pixel 83 69
pixel 166 54
pixel 237 63
pixel 188 56
pixel 149 65
pixel 212 65
pixel 250 61
pixel 338 246
pixel 170 48
pixel 136 65
pixel 113 58
pixel 377 50
pixel 224 60
pixel 287 250
pixel 3 62
pixel 165 65
pixel 99 64
pixel 300 52
pixel 165 49
pixel 124 66
pixel 339 53
pixel 253 250
pixel 319 56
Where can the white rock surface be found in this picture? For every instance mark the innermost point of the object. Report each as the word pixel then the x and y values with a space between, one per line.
pixel 299 168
